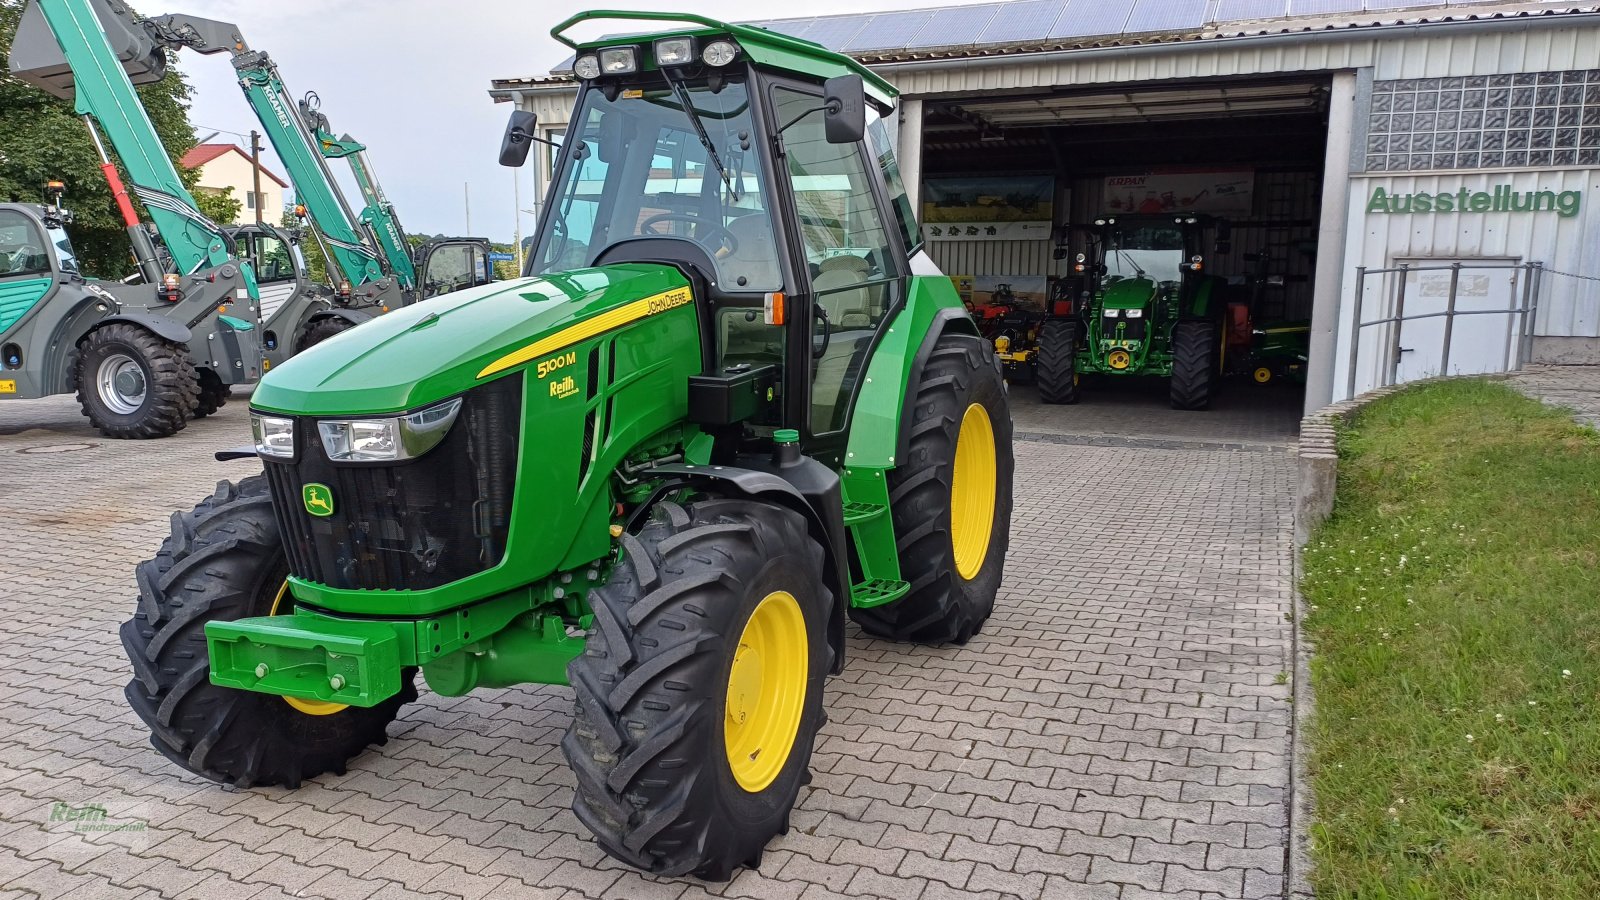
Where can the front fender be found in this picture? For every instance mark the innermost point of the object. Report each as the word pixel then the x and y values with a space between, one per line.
pixel 809 488
pixel 161 326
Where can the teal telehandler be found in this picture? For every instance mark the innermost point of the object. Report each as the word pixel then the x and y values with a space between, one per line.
pixel 138 356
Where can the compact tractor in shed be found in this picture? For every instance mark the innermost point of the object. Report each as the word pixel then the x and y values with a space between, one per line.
pixel 730 407
pixel 1153 310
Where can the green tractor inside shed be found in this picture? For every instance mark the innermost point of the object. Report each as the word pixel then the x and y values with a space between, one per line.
pixel 730 406
pixel 1151 311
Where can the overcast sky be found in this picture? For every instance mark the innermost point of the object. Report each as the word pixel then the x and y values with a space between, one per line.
pixel 410 79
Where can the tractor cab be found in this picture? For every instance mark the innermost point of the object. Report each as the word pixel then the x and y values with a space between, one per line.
pixel 776 194
pixel 34 243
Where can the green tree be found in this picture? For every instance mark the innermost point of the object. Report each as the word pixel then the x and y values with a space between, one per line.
pixel 219 206
pixel 41 138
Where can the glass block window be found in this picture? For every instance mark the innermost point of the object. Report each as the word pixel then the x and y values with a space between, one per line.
pixel 1528 119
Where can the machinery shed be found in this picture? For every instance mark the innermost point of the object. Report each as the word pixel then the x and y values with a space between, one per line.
pixel 1319 145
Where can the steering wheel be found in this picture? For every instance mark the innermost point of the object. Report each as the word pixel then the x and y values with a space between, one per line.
pixel 712 229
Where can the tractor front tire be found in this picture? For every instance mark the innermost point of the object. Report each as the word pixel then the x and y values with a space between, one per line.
pixel 950 498
pixel 224 560
pixel 1058 361
pixel 1194 363
pixel 133 384
pixel 213 394
pixel 699 694
pixel 321 330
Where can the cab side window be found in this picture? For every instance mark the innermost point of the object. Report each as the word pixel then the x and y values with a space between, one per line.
pixel 22 246
pixel 847 252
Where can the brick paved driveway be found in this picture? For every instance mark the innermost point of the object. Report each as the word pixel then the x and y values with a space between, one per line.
pixel 1116 730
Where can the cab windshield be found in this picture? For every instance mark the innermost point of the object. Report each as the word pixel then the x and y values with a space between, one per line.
pixel 637 168
pixel 1145 251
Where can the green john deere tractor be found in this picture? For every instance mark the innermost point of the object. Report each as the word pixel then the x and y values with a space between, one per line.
pixel 1153 311
pixel 730 407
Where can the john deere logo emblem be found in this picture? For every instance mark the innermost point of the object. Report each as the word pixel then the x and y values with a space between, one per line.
pixel 319 499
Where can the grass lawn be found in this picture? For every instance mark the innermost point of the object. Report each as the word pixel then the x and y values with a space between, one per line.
pixel 1454 610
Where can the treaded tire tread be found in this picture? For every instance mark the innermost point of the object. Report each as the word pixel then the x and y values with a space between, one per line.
pixel 321 330
pixel 942 607
pixel 1058 361
pixel 171 388
pixel 213 567
pixel 646 743
pixel 1194 363
pixel 213 394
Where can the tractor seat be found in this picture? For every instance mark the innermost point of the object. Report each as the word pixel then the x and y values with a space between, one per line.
pixel 847 306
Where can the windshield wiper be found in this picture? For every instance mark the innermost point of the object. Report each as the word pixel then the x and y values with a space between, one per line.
pixel 1129 260
pixel 682 93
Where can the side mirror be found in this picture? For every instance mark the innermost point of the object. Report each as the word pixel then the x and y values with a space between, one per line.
pixel 845 109
pixel 518 141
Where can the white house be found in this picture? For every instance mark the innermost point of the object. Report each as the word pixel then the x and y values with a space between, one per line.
pixel 224 166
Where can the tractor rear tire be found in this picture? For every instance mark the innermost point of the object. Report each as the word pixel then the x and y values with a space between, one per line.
pixel 224 560
pixel 1058 361
pixel 321 330
pixel 1194 363
pixel 705 601
pixel 951 537
pixel 213 394
pixel 133 384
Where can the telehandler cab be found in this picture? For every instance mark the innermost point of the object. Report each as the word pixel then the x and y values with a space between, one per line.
pixel 730 406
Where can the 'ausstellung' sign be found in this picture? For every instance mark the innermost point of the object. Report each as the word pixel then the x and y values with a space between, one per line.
pixel 1502 199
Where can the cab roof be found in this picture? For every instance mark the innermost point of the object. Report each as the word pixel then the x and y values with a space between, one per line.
pixel 768 49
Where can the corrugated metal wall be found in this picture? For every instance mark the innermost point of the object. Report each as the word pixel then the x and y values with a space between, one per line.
pixel 992 257
pixel 1568 306
pixel 1509 46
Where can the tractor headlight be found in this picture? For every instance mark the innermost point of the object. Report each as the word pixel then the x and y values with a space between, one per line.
pixel 274 435
pixel 1134 314
pixel 586 67
pixel 619 60
pixel 389 439
pixel 677 51
pixel 720 53
pixel 1111 314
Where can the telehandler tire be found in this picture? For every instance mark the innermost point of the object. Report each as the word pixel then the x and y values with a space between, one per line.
pixel 224 560
pixel 213 394
pixel 1058 361
pixel 133 384
pixel 699 695
pixel 321 330
pixel 1194 363
pixel 950 498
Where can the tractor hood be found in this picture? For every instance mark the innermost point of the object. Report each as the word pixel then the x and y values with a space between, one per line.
pixel 1129 293
pixel 440 347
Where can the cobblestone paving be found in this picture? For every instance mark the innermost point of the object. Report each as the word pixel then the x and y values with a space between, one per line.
pixel 1117 730
pixel 1573 387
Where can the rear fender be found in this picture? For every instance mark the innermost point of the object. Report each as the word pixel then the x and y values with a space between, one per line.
pixel 809 488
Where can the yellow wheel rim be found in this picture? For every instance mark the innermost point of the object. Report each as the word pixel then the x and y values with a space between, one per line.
pixel 309 707
pixel 1118 359
pixel 1262 375
pixel 766 691
pixel 972 492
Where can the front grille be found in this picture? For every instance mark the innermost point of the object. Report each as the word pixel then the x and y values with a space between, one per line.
pixel 1132 330
pixel 412 525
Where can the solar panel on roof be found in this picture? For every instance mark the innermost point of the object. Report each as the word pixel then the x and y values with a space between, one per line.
pixel 890 31
pixel 835 32
pixel 956 26
pixel 1166 15
pixel 792 27
pixel 1023 21
pixel 1322 7
pixel 1235 10
pixel 1089 17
